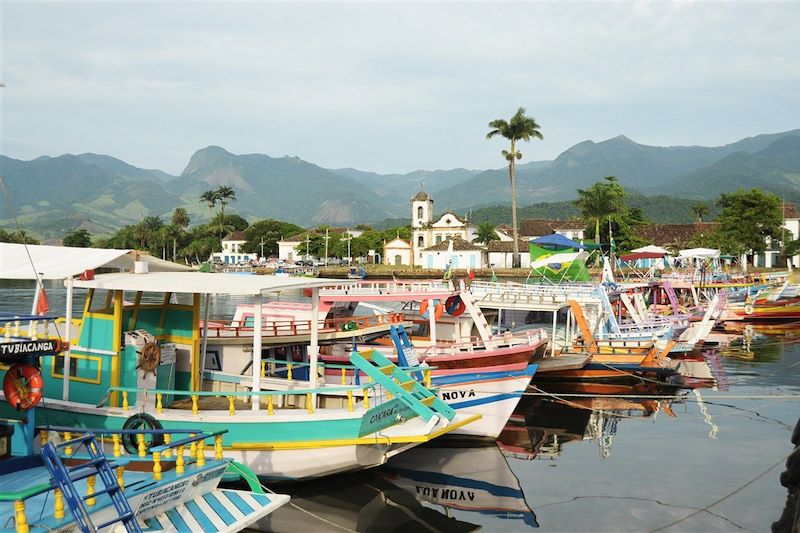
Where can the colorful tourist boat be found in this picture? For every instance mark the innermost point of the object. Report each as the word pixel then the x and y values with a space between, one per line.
pixel 64 475
pixel 134 358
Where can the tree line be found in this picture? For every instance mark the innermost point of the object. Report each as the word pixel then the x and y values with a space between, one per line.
pixel 747 220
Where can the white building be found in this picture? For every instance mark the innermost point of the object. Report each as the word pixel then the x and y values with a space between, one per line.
pixel 454 251
pixel 232 253
pixel 398 252
pixel 427 232
pixel 771 257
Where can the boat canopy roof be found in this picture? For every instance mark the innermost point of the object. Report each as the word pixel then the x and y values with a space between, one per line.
pixel 203 283
pixel 641 255
pixel 700 253
pixel 18 261
pixel 651 248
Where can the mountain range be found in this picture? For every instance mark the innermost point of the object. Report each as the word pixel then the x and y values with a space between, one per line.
pixel 50 196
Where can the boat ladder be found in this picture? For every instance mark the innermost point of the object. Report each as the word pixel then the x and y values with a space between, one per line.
pixel 402 386
pixel 97 465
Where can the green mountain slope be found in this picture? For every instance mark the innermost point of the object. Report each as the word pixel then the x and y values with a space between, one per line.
pixel 53 195
pixel 776 168
pixel 285 188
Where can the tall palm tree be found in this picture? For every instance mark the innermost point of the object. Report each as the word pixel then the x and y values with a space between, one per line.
pixel 224 194
pixel 211 198
pixel 519 128
pixel 180 221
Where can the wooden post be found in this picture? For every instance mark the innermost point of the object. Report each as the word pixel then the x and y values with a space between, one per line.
pixel 58 504
pixel 179 461
pixel 90 481
pixel 20 520
pixel 218 447
pixel 157 466
pixel 140 441
pixel 201 453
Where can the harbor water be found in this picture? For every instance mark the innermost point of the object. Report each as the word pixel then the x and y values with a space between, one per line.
pixel 636 459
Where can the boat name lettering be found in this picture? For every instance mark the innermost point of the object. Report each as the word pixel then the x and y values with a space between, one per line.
pixel 457 394
pixel 13 348
pixel 377 417
pixel 163 496
pixel 445 493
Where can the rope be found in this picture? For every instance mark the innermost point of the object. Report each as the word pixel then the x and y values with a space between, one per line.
pixel 709 506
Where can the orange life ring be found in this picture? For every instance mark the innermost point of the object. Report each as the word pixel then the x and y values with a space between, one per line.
pixel 23 386
pixel 438 309
pixel 455 306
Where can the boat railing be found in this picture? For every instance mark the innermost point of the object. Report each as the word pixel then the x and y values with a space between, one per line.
pixel 283 369
pixel 274 328
pixel 270 396
pixel 503 340
pixel 380 287
pixel 172 452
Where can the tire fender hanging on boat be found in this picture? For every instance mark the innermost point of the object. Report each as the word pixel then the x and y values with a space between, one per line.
pixel 141 421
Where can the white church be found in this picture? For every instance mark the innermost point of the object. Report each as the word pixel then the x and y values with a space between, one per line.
pixel 426 248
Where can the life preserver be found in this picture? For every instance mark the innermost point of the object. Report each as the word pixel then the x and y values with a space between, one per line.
pixel 141 421
pixel 455 306
pixel 748 309
pixel 349 326
pixel 307 292
pixel 149 358
pixel 23 386
pixel 438 309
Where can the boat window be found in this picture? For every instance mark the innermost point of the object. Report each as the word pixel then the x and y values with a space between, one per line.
pixel 102 301
pixel 86 368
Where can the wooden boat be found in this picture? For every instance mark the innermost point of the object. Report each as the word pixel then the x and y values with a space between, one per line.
pixel 156 369
pixel 57 474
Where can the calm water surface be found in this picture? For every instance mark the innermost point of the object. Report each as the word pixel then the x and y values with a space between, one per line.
pixel 706 459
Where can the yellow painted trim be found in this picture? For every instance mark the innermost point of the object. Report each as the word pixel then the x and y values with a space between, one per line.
pixel 135 314
pixel 88 303
pixel 163 317
pixel 266 446
pixel 73 355
pixel 194 357
pixel 116 347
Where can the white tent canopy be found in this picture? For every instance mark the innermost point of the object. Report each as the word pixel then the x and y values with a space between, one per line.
pixel 20 261
pixel 650 249
pixel 699 253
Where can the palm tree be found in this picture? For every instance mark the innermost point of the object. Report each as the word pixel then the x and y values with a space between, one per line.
pixel 486 233
pixel 211 198
pixel 604 199
pixel 180 221
pixel 224 194
pixel 519 128
pixel 700 209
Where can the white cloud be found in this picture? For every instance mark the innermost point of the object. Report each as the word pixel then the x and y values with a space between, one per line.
pixel 388 87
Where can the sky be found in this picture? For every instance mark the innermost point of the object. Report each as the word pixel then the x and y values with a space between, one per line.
pixel 388 87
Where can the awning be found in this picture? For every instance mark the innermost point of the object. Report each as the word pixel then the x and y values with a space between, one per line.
pixel 651 248
pixel 641 255
pixel 19 261
pixel 557 239
pixel 203 283
pixel 701 253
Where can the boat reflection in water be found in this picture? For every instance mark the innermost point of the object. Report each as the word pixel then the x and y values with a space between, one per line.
pixel 561 412
pixel 364 502
pixel 474 479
